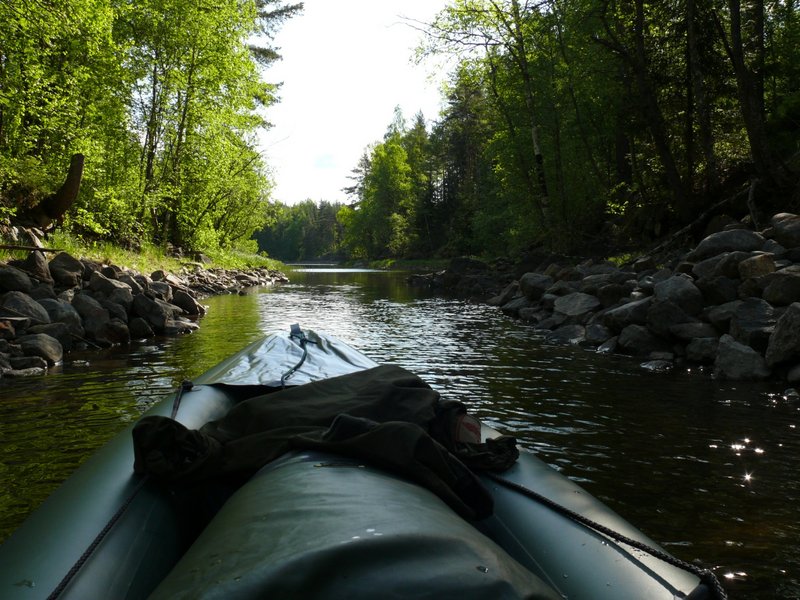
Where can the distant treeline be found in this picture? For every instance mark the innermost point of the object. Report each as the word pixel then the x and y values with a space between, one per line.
pixel 577 122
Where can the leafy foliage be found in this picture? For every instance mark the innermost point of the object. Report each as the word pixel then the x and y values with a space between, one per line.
pixel 163 97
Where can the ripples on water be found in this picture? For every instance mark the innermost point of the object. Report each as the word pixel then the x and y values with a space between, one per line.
pixel 706 468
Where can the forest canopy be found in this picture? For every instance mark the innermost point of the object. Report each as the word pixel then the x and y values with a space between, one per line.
pixel 163 99
pixel 567 124
pixel 579 124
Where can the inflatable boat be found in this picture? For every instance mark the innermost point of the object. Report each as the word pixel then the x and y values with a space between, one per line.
pixel 368 505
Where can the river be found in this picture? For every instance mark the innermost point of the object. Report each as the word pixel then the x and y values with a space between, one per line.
pixel 709 469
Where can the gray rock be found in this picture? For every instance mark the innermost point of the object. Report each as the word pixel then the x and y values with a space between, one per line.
pixel 612 293
pixel 682 291
pixel 567 335
pixel 35 264
pixel 59 331
pixel 63 312
pixel 14 280
pixel 658 366
pixel 631 313
pixel 727 241
pixel 140 329
pixel 609 346
pixel 597 334
pixel 179 327
pixel 19 373
pixel 720 316
pixel 19 363
pixel 158 314
pixel 502 298
pixel 638 340
pixel 511 308
pixel 106 286
pixel 752 323
pixel 577 304
pixel 783 287
pixel 786 229
pixel 188 303
pixel 131 282
pixel 17 304
pixel 709 267
pixel 551 322
pixel 161 290
pixel 784 343
pixel 702 350
pixel 756 266
pixel 793 376
pixel 43 345
pixel 689 331
pixel 663 314
pixel 534 285
pixel 738 361
pixel 66 271
pixel 718 290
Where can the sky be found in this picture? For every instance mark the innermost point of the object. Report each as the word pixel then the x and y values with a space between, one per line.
pixel 346 65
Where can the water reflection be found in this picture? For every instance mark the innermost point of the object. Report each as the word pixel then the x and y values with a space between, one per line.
pixel 706 468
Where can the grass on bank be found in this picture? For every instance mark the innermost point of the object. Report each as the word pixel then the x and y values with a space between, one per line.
pixel 148 258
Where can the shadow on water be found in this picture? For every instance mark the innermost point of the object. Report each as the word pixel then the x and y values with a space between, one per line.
pixel 706 468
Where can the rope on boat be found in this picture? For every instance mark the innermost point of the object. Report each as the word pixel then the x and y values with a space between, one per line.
pixel 186 386
pixel 96 542
pixel 298 333
pixel 706 576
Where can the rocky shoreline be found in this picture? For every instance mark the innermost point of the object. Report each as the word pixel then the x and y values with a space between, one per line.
pixel 731 304
pixel 50 307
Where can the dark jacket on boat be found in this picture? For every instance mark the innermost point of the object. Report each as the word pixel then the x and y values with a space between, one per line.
pixel 385 415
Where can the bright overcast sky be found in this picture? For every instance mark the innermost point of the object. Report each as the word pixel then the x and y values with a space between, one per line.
pixel 346 65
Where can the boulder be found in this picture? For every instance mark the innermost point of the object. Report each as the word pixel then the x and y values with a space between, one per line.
pixel 577 304
pixel 689 331
pixel 43 345
pixel 59 331
pixel 786 229
pixel 66 271
pixel 638 340
pixel 534 285
pixel 742 240
pixel 140 329
pixel 784 343
pixel 783 287
pixel 757 266
pixel 630 313
pixel 567 335
pixel 680 290
pixel 720 316
pixel 597 334
pixel 17 304
pixel 156 312
pixel 161 290
pixel 739 361
pixel 188 303
pixel 513 307
pixel 752 323
pixel 702 350
pixel 663 314
pixel 63 312
pixel 35 264
pixel 13 279
pixel 502 298
pixel 718 290
pixel 105 285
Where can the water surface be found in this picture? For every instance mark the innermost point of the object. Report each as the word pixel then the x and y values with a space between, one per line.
pixel 706 468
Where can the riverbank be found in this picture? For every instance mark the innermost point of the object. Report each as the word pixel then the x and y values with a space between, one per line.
pixel 730 304
pixel 50 306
